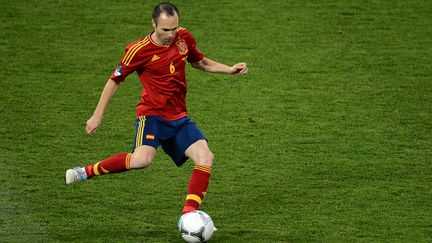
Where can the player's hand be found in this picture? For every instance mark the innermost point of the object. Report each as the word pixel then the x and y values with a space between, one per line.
pixel 239 69
pixel 92 124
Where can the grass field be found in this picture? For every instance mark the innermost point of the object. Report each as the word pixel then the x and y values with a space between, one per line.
pixel 329 137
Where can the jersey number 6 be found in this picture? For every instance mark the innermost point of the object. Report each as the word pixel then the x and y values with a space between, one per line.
pixel 172 68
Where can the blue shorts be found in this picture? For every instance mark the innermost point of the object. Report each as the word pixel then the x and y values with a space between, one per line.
pixel 174 136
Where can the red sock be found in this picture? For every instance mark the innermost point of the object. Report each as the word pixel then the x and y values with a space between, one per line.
pixel 197 189
pixel 114 164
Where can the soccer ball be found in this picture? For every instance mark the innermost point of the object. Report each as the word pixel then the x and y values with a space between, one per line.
pixel 196 226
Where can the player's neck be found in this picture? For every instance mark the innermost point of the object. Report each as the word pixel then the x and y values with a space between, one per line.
pixel 155 39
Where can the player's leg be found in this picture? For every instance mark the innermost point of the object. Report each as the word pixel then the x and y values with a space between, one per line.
pixel 115 164
pixel 189 142
pixel 199 181
pixel 142 156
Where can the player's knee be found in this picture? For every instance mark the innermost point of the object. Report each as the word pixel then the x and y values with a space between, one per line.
pixel 142 157
pixel 140 160
pixel 205 159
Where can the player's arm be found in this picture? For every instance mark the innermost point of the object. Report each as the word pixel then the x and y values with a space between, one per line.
pixel 208 65
pixel 94 121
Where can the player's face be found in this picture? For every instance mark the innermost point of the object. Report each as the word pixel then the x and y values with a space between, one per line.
pixel 165 28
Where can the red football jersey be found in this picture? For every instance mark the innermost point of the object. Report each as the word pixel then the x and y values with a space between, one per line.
pixel 161 69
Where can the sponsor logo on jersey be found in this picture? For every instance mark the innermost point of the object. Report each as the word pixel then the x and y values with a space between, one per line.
pixel 155 57
pixel 150 137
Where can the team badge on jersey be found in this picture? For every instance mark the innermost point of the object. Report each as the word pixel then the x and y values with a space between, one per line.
pixel 182 47
pixel 118 71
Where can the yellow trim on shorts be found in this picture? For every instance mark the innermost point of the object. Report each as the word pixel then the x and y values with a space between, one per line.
pixel 140 131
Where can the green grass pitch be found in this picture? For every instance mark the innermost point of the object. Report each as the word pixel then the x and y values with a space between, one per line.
pixel 329 137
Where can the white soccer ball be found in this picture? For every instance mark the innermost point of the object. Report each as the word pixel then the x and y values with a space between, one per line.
pixel 196 226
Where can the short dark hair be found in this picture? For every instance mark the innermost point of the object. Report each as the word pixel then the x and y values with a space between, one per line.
pixel 165 7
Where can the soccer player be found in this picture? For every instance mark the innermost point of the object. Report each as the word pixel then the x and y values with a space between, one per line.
pixel 160 59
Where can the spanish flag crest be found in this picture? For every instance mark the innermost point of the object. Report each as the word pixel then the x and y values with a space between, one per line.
pixel 182 47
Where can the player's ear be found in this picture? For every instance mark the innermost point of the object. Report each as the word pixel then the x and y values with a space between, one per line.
pixel 154 23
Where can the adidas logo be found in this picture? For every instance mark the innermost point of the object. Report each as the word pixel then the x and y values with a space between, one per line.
pixel 155 57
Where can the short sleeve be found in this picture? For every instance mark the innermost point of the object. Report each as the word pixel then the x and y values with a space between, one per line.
pixel 130 61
